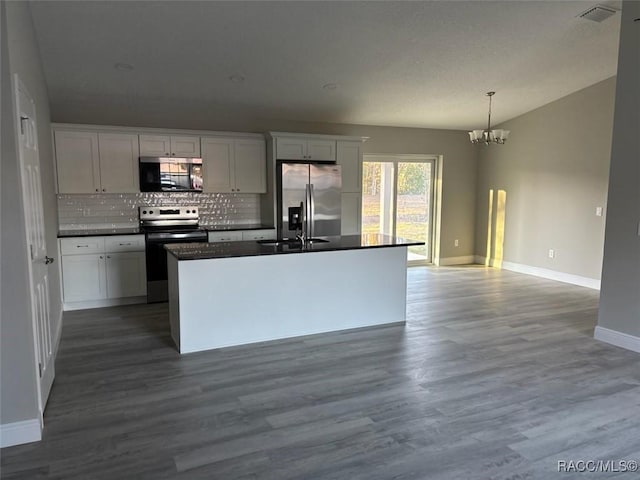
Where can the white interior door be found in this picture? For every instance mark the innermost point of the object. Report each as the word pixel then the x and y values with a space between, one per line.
pixel 35 237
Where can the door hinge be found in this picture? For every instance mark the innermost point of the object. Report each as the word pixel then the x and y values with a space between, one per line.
pixel 22 120
pixel 40 369
pixel 31 250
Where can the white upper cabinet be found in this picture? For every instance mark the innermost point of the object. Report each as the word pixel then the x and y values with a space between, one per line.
pixel 321 150
pixel 77 161
pixel 90 162
pixel 169 145
pixel 119 172
pixel 234 165
pixel 155 145
pixel 217 158
pixel 350 158
pixel 305 149
pixel 250 166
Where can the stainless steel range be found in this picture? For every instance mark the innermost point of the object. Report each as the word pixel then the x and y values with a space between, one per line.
pixel 163 225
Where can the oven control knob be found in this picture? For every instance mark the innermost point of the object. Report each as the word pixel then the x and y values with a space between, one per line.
pixel 144 211
pixel 188 211
pixel 150 211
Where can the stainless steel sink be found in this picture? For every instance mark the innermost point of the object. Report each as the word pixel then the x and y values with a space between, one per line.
pixel 290 242
pixel 317 240
pixel 276 243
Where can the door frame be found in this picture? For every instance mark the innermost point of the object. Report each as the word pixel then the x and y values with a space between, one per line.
pixel 434 213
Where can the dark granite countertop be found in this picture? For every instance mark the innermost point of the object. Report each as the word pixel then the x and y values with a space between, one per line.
pixel 202 251
pixel 99 232
pixel 227 228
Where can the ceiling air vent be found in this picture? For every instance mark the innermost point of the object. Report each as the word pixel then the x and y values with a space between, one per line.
pixel 598 13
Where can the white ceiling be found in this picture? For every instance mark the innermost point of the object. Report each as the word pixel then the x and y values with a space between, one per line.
pixel 399 63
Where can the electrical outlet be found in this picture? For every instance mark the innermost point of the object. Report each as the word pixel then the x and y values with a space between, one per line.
pixel 552 253
pixel 598 211
pixel 456 243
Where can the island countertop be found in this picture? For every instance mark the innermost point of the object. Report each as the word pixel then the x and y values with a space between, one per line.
pixel 202 251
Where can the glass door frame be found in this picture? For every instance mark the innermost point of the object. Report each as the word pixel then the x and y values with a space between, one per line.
pixel 396 159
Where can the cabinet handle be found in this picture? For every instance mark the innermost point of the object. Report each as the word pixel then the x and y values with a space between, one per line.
pixel 123 244
pixel 108 256
pixel 97 189
pixel 104 189
pixel 237 189
pixel 167 153
pixel 101 257
pixel 82 246
pixel 173 153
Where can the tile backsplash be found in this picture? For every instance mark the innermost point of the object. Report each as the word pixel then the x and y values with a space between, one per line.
pixel 76 212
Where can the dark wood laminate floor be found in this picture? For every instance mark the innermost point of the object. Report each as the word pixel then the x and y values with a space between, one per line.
pixel 495 376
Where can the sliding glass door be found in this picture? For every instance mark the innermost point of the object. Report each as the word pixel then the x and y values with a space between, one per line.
pixel 398 200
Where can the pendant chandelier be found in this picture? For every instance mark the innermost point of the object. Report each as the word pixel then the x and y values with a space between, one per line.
pixel 489 136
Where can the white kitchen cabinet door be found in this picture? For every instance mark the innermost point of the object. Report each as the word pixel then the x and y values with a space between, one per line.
pixel 351 213
pixel 305 149
pixel 126 274
pixel 119 172
pixel 81 245
pixel 155 145
pixel 185 146
pixel 77 162
pixel 250 166
pixel 233 236
pixel 321 150
pixel 263 234
pixel 217 164
pixel 349 156
pixel 291 149
pixel 124 243
pixel 84 277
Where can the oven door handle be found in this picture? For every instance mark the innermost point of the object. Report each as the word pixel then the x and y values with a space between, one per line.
pixel 162 237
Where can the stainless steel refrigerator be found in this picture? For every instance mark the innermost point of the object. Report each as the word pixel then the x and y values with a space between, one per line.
pixel 309 194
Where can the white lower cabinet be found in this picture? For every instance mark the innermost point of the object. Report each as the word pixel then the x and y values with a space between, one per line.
pixel 240 235
pixel 266 234
pixel 113 272
pixel 126 275
pixel 83 277
pixel 233 236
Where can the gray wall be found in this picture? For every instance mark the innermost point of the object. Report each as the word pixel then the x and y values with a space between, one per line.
pixel 554 168
pixel 20 55
pixel 620 291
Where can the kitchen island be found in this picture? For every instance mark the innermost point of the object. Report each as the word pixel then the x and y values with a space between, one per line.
pixel 234 293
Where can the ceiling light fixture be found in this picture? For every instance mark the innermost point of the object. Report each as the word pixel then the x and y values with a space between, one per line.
pixel 489 136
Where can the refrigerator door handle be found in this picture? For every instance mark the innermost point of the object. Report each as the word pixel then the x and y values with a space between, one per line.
pixel 312 210
pixel 305 219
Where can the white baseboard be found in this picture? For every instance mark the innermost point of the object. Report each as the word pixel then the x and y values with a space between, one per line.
pixel 111 302
pixel 465 260
pixel 619 339
pixel 587 282
pixel 17 433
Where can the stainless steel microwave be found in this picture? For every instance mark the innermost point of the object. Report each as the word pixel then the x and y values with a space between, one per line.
pixel 170 174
